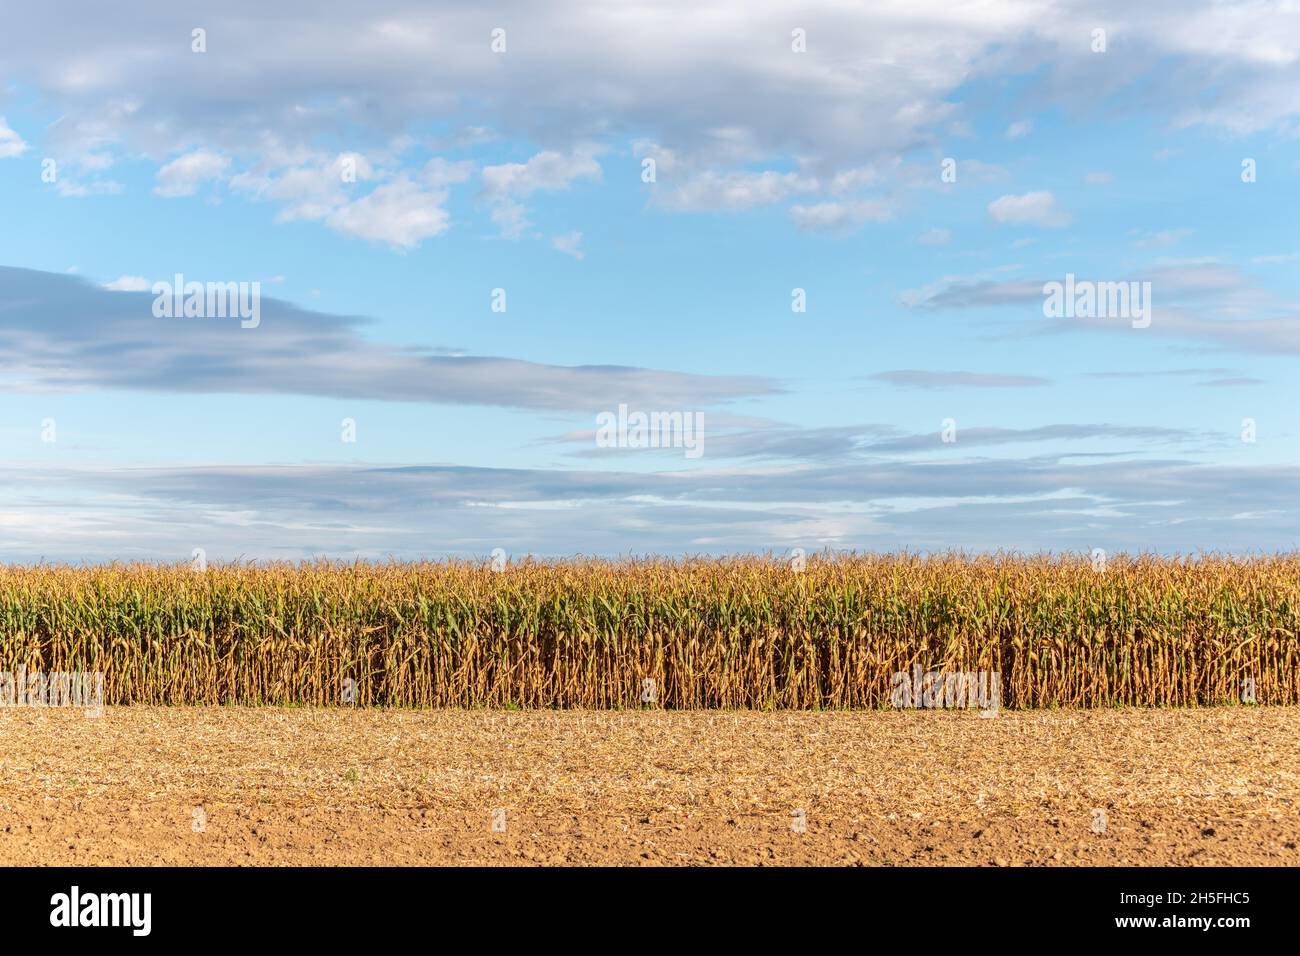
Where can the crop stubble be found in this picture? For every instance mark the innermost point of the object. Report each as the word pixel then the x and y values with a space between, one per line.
pixel 371 786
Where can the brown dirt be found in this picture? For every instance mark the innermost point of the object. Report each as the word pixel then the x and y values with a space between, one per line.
pixel 363 787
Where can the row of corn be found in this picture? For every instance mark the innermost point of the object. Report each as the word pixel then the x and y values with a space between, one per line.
pixel 834 631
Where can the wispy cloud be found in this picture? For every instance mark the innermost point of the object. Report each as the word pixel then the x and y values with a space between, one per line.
pixel 840 216
pixel 128 284
pixel 775 441
pixel 570 243
pixel 1029 209
pixel 1196 299
pixel 1210 377
pixel 507 184
pixel 984 436
pixel 1161 239
pixel 63 332
pixel 11 144
pixel 185 174
pixel 918 378
pixel 294 512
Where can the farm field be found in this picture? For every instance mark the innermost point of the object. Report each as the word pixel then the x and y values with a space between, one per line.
pixel 1139 711
pixel 234 785
pixel 828 632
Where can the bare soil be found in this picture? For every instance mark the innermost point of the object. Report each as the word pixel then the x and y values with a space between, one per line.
pixel 200 786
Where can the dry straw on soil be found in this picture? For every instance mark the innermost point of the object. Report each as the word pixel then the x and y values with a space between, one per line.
pixel 731 633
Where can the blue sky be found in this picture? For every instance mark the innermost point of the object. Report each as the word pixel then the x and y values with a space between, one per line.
pixel 132 437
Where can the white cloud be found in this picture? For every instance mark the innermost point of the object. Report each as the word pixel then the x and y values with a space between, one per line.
pixel 981 171
pixel 1159 240
pixel 979 503
pixel 1098 178
pixel 510 217
pixel 716 90
pixel 320 187
pixel 850 180
pixel 129 284
pixel 439 172
pixel 935 237
pixel 735 191
pixel 505 184
pixel 667 162
pixel 840 216
pixel 11 144
pixel 76 189
pixel 547 170
pixel 646 67
pixel 310 187
pixel 569 244
pixel 1031 209
pixel 399 213
pixel 71 175
pixel 183 175
pixel 1020 129
pixel 96 162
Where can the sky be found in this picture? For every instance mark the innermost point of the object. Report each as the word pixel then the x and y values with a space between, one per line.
pixel 821 234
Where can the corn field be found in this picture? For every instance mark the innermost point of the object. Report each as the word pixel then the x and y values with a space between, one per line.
pixel 732 633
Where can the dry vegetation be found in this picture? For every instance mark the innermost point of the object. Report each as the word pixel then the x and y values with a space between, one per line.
pixel 745 633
